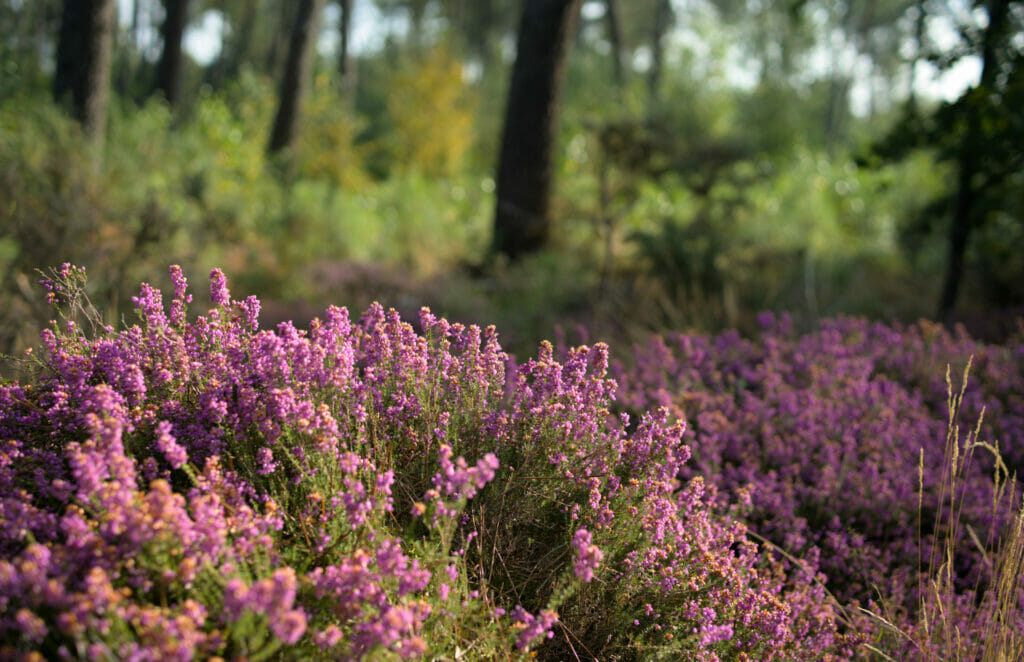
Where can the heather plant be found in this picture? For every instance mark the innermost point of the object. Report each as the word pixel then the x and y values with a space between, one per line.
pixel 951 624
pixel 843 449
pixel 193 486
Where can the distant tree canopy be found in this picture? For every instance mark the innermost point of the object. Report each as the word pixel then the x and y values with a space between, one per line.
pixel 981 133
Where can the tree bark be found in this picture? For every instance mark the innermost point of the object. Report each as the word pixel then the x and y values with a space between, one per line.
pixel 920 24
pixel 344 32
pixel 482 32
pixel 84 52
pixel 128 62
pixel 295 79
pixel 611 16
pixel 168 72
pixel 662 22
pixel 969 159
pixel 521 222
pixel 417 12
pixel 287 11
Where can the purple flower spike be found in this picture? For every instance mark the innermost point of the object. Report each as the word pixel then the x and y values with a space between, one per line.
pixel 533 627
pixel 219 294
pixel 169 447
pixel 588 556
pixel 181 298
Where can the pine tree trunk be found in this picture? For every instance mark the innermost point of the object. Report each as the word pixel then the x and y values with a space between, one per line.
pixel 295 80
pixel 344 33
pixel 168 76
pixel 661 24
pixel 521 222
pixel 84 52
pixel 611 13
pixel 969 160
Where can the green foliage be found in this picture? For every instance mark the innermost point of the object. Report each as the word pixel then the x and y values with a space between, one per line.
pixel 732 234
pixel 58 202
pixel 199 190
pixel 327 149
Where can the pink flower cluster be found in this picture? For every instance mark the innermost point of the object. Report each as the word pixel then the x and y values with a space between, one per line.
pixel 531 628
pixel 457 481
pixel 272 597
pixel 588 556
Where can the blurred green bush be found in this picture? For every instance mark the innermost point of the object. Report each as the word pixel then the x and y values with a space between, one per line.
pixel 199 190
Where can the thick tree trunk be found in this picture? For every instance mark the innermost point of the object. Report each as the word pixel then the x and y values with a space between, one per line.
pixel 521 222
pixel 84 51
pixel 295 79
pixel 168 72
pixel 970 159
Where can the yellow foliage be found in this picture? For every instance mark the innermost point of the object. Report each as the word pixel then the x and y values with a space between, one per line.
pixel 326 144
pixel 432 109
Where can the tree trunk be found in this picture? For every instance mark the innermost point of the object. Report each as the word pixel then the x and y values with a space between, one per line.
pixel 611 15
pixel 84 51
pixel 969 159
pixel 287 10
pixel 920 23
pixel 295 79
pixel 521 223
pixel 661 24
pixel 482 33
pixel 344 32
pixel 417 12
pixel 168 72
pixel 129 57
pixel 959 233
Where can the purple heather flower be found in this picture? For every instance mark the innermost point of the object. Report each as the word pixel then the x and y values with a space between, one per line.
pixel 219 294
pixel 265 458
pixel 533 627
pixel 169 447
pixel 181 298
pixel 712 634
pixel 328 637
pixel 32 627
pixel 588 556
pixel 288 626
pixel 809 438
pixel 236 595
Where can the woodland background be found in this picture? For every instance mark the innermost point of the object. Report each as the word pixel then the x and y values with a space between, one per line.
pixel 624 166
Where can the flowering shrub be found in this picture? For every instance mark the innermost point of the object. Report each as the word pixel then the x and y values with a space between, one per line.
pixel 187 488
pixel 839 439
